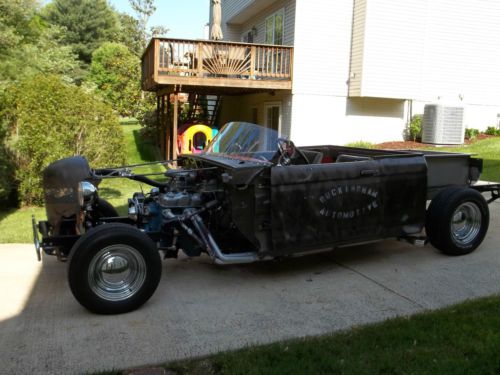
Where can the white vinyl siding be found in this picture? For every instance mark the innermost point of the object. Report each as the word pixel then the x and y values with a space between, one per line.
pixel 230 33
pixel 462 54
pixel 229 9
pixel 392 48
pixel 430 50
pixel 233 7
pixel 357 46
pixel 322 47
pixel 338 120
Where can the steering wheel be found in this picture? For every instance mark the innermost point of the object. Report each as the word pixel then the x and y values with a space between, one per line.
pixel 289 154
pixel 285 154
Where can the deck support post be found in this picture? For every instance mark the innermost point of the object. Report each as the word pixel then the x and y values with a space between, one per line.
pixel 168 133
pixel 175 124
pixel 159 122
pixel 163 126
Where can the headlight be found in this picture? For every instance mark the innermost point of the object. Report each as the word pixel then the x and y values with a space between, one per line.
pixel 86 193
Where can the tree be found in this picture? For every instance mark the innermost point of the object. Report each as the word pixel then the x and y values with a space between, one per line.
pixel 28 45
pixel 130 34
pixel 16 24
pixel 87 24
pixel 48 56
pixel 116 73
pixel 159 31
pixel 49 119
pixel 144 9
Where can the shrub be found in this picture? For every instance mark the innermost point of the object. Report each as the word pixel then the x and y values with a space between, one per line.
pixel 6 170
pixel 48 120
pixel 414 131
pixel 146 110
pixel 471 133
pixel 116 72
pixel 148 118
pixel 491 130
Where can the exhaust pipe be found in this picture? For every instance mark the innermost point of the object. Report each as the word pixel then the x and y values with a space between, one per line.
pixel 214 250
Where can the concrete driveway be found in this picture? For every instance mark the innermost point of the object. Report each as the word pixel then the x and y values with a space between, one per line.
pixel 200 308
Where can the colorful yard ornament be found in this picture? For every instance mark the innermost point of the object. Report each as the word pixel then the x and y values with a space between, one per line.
pixel 193 138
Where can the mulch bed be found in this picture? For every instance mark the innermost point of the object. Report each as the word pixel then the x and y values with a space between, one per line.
pixel 408 145
pixel 402 145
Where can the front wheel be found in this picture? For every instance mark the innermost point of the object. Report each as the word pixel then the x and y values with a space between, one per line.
pixel 113 269
pixel 457 220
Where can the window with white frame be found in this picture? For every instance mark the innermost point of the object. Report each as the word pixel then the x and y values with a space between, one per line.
pixel 275 27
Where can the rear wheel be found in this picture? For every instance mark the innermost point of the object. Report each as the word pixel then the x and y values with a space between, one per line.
pixel 113 269
pixel 457 220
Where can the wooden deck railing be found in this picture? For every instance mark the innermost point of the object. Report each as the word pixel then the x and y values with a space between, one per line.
pixel 215 63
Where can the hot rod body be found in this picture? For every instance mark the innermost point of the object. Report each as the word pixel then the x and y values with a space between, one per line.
pixel 253 196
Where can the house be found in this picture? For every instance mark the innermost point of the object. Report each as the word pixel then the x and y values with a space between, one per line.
pixel 325 71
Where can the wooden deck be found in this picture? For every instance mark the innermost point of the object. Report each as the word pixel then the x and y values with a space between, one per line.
pixel 214 66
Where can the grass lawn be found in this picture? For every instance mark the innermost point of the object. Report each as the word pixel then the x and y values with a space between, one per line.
pixel 15 224
pixel 461 339
pixel 139 150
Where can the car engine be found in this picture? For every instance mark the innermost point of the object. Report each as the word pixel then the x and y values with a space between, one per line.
pixel 169 207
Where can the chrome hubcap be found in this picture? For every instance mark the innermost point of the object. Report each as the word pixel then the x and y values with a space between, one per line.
pixel 465 223
pixel 117 272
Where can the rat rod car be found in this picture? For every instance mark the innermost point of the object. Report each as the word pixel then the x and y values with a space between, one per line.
pixel 253 196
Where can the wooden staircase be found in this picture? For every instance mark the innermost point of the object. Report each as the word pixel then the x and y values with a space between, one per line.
pixel 204 108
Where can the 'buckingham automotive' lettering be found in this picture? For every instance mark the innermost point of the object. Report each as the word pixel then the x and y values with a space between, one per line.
pixel 332 201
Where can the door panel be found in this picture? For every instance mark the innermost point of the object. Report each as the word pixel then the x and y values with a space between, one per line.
pixel 337 203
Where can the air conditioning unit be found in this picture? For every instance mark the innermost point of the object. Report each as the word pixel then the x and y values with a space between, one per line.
pixel 443 125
